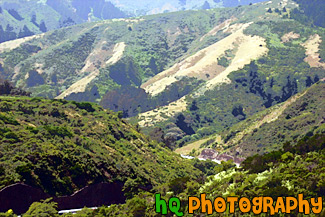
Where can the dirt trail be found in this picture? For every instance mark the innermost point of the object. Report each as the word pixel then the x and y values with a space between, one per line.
pixel 96 57
pixel 149 118
pixel 204 64
pixel 312 48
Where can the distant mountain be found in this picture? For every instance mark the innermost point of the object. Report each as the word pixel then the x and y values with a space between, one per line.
pixel 21 18
pixel 146 7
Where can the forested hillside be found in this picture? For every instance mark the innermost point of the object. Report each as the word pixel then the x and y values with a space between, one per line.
pixel 301 115
pixel 61 146
pixel 297 168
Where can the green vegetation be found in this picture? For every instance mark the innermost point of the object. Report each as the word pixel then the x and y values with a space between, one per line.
pixel 268 81
pixel 273 107
pixel 310 12
pixel 302 116
pixel 296 169
pixel 62 146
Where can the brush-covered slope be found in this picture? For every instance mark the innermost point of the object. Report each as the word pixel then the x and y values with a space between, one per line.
pixel 146 7
pixel 301 115
pixel 86 62
pixel 294 170
pixel 293 61
pixel 62 146
pixel 216 67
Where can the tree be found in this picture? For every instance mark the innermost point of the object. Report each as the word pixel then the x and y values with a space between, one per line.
pixel 42 27
pixel 45 208
pixel 269 10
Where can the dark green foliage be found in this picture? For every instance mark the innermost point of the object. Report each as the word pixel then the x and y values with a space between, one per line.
pixel 223 61
pixel 6 88
pixel 43 27
pixel 302 115
pixel 7 33
pixel 125 73
pixel 15 14
pixel 58 131
pixel 8 120
pixel 25 32
pixel 21 53
pixel 132 100
pixel 100 9
pixel 85 105
pixel 310 12
pixel 260 163
pixel 206 5
pixel 34 79
pixel 185 127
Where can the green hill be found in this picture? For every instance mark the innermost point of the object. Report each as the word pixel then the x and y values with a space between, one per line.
pixel 62 146
pixel 301 115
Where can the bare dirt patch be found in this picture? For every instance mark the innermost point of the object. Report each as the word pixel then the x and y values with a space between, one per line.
pixel 94 61
pixel 205 62
pixel 150 118
pixel 289 36
pixel 248 49
pixel 185 150
pixel 10 45
pixel 312 48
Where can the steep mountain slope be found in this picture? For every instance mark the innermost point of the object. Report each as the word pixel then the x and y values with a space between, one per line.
pixel 21 18
pixel 301 115
pixel 61 146
pixel 148 46
pixel 215 67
